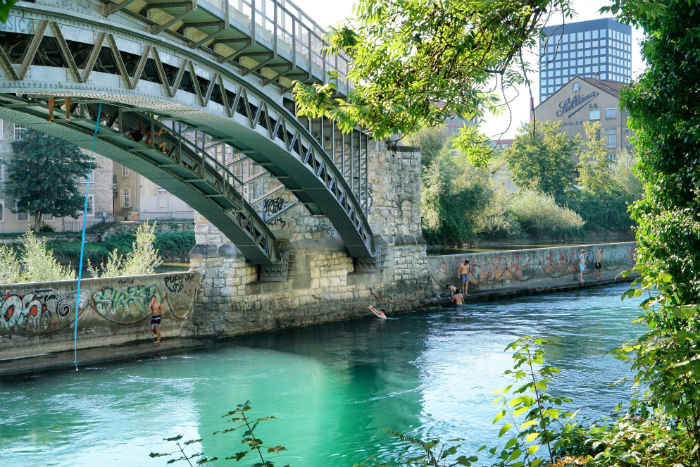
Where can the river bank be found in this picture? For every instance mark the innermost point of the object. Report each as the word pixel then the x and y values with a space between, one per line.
pixel 333 388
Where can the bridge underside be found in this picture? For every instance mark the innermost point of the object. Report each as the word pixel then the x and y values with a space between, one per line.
pixel 160 81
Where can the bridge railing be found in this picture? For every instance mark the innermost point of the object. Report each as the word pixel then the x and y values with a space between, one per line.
pixel 289 31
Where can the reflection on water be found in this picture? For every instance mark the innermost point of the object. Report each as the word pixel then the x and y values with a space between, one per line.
pixel 334 388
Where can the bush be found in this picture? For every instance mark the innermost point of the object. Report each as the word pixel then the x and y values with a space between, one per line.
pixel 10 266
pixel 175 243
pixel 608 212
pixel 141 259
pixel 38 263
pixel 540 216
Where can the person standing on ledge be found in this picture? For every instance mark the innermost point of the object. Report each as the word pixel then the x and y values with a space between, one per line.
pixel 598 266
pixel 156 317
pixel 581 265
pixel 463 275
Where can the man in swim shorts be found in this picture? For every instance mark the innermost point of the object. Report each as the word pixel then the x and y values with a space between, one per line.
pixel 598 266
pixel 156 317
pixel 463 275
pixel 581 265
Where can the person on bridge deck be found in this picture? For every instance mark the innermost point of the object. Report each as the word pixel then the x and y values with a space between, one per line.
pixel 581 265
pixel 598 266
pixel 457 298
pixel 150 140
pixel 378 313
pixel 156 310
pixel 51 103
pixel 463 276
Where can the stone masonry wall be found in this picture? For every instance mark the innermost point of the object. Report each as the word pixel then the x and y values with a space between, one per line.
pixel 324 283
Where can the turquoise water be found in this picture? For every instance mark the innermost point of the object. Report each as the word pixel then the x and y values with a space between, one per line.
pixel 333 388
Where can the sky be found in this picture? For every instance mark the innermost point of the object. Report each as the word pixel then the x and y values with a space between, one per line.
pixel 330 12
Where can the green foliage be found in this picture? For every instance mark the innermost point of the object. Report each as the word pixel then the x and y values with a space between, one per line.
pixel 602 212
pixel 446 455
pixel 453 194
pixel 141 259
pixel 533 417
pixel 539 215
pixel 5 6
pixel 541 159
pixel 175 243
pixel 431 141
pixel 43 176
pixel 38 263
pixel 625 176
pixel 10 266
pixel 240 420
pixel 664 114
pixel 408 56
pixel 595 172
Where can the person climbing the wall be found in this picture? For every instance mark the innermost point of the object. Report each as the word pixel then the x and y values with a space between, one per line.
pixel 457 298
pixel 156 310
pixel 581 265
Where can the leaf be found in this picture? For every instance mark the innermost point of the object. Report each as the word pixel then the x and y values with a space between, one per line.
pixel 499 416
pixel 276 449
pixel 504 429
pixel 515 454
pixel 174 438
pixel 533 449
pixel 527 424
pixel 531 436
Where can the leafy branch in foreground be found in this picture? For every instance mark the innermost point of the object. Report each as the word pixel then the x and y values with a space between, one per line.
pixel 240 420
pixel 415 63
pixel 543 424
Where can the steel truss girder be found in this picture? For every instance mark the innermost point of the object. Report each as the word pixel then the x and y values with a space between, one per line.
pixel 184 169
pixel 274 136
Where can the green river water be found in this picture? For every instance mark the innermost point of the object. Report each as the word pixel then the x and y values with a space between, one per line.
pixel 334 388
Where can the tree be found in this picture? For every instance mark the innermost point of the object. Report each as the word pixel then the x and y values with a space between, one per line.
pixel 625 175
pixel 5 6
pixel 594 168
pixel 431 141
pixel 454 193
pixel 541 159
pixel 417 62
pixel 43 176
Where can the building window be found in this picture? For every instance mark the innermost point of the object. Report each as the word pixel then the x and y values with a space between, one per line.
pixel 21 216
pixel 611 137
pixel 610 113
pixel 91 206
pixel 2 132
pixel 594 115
pixel 19 132
pixel 125 171
pixel 46 217
pixel 126 198
pixel 2 210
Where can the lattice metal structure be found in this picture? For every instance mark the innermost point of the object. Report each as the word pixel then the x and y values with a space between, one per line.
pixel 89 60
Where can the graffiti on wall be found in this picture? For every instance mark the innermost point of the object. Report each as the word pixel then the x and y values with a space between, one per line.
pixel 125 305
pixel 273 205
pixel 39 311
pixel 277 222
pixel 488 270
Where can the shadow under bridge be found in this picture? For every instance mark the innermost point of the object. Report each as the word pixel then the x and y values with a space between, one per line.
pixel 144 79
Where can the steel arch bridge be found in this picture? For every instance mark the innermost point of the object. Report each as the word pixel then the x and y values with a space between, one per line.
pixel 173 65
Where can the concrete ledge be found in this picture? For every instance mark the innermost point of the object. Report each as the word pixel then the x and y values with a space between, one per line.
pixel 61 361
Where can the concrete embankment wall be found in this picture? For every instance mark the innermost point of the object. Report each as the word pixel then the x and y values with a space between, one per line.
pixel 539 268
pixel 37 318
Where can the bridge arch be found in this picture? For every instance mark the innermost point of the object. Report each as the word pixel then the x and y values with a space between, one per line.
pixel 151 74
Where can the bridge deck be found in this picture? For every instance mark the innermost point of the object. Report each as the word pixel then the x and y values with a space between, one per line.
pixel 273 39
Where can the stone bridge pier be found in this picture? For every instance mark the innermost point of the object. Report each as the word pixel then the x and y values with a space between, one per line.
pixel 318 281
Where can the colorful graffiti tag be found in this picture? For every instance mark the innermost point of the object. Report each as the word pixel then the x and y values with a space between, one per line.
pixel 126 305
pixel 43 310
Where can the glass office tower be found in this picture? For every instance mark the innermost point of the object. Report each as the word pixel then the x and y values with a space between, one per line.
pixel 600 48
